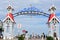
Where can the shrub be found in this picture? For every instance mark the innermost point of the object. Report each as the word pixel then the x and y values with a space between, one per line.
pixel 50 38
pixel 21 37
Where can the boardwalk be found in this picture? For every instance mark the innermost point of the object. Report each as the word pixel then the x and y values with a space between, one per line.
pixel 11 39
pixel 25 39
pixel 36 39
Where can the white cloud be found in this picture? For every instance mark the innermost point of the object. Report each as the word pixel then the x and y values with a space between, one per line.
pixel 34 1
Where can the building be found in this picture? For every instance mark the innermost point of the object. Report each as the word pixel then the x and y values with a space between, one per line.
pixel 8 24
pixel 53 23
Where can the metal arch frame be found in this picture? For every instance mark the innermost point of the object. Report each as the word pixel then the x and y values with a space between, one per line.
pixel 32 11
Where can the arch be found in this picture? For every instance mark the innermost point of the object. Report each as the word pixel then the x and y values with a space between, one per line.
pixel 31 11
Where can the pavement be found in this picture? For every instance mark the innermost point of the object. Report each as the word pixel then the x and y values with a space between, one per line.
pixel 25 39
pixel 11 39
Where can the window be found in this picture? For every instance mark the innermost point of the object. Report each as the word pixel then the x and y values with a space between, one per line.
pixel 8 21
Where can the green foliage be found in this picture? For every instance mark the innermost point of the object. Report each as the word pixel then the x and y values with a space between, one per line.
pixel 1 29
pixel 21 37
pixel 50 38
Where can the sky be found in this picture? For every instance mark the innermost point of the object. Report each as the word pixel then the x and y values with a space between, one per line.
pixel 34 24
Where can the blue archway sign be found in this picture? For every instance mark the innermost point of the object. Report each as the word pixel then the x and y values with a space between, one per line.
pixel 30 11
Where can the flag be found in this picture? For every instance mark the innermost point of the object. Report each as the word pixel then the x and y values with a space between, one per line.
pixel 19 25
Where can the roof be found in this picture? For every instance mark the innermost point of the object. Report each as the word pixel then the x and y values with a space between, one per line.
pixel 52 8
pixel 10 15
pixel 10 8
pixel 51 16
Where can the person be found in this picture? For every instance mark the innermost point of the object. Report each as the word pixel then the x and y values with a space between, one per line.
pixel 26 36
pixel 43 36
pixel 56 38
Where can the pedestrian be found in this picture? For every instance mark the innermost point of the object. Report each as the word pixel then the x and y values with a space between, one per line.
pixel 26 36
pixel 56 38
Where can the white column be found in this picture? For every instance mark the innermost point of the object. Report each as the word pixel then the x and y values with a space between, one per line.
pixel 51 25
pixel 4 33
pixel 57 30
